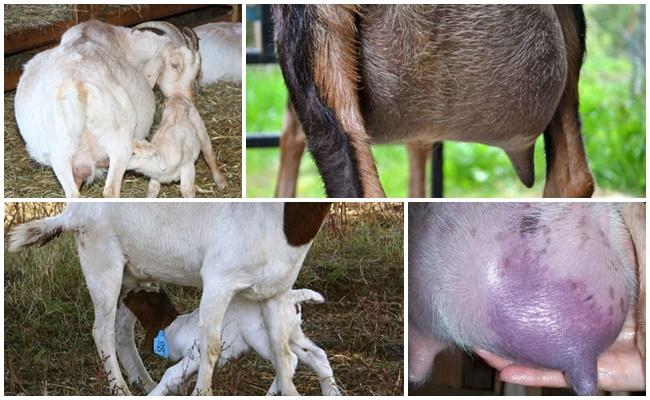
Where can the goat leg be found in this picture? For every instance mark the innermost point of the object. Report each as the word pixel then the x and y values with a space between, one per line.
pixel 567 171
pixel 273 312
pixel 188 175
pixel 102 266
pixel 418 154
pixel 214 302
pixel 292 145
pixel 317 48
pixel 206 148
pixel 63 171
pixel 316 359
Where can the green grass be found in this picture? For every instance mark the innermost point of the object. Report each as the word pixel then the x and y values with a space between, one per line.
pixel 356 262
pixel 613 127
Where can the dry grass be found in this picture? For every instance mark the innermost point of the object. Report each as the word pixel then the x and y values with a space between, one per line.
pixel 220 107
pixel 33 16
pixel 356 262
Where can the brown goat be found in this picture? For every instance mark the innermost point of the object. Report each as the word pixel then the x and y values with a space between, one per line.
pixel 493 74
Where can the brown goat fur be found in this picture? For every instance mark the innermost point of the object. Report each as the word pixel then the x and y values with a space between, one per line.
pixel 154 310
pixel 492 74
pixel 338 86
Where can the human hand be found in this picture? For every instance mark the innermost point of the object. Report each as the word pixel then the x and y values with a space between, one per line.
pixel 620 368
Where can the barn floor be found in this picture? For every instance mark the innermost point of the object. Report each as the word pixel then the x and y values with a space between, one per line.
pixel 220 107
pixel 356 262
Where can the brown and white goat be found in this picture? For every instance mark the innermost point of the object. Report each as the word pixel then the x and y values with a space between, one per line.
pixel 492 74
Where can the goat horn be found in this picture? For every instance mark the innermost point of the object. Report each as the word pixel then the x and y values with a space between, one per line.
pixel 194 40
pixel 178 39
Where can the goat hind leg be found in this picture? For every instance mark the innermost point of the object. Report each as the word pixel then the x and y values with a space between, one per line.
pixel 567 170
pixel 214 301
pixel 206 149
pixel 316 359
pixel 63 171
pixel 283 358
pixel 188 175
pixel 119 160
pixel 102 264
pixel 324 90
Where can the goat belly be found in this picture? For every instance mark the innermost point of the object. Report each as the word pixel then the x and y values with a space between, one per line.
pixel 544 285
pixel 478 73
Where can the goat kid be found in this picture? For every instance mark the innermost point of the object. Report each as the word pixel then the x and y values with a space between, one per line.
pixel 253 250
pixel 243 329
pixel 175 146
pixel 80 105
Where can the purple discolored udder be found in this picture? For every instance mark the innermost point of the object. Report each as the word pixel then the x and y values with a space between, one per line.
pixel 557 322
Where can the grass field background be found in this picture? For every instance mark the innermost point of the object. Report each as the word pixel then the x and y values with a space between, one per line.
pixel 613 117
pixel 356 262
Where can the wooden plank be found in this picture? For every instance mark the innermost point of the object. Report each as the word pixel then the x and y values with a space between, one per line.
pixel 11 79
pixel 132 16
pixel 37 37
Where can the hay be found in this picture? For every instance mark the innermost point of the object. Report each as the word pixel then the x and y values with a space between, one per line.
pixel 33 16
pixel 220 107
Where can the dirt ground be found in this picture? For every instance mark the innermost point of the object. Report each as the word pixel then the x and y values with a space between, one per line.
pixel 356 262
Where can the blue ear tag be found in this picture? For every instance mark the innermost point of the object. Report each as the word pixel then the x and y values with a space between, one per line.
pixel 160 346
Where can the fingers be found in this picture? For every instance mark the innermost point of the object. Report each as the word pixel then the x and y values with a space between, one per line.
pixel 617 370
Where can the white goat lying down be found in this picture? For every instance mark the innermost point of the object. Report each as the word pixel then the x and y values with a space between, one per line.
pixel 243 329
pixel 80 105
pixel 220 47
pixel 175 146
pixel 254 250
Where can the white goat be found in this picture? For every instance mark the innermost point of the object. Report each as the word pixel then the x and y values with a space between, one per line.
pixel 243 329
pixel 79 105
pixel 176 144
pixel 253 250
pixel 220 47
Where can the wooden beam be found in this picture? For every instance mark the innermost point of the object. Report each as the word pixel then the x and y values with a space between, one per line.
pixel 132 16
pixel 37 37
pixel 11 79
pixel 28 39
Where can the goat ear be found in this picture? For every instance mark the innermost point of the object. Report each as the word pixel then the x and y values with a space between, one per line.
pixel 175 61
pixel 152 70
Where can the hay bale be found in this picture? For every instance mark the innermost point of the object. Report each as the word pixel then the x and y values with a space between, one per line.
pixel 220 108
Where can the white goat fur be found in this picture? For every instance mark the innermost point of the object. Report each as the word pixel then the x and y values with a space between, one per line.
pixel 244 329
pixel 181 135
pixel 80 104
pixel 225 248
pixel 220 47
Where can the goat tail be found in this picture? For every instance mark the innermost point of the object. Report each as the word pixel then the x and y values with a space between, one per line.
pixel 302 295
pixel 318 52
pixel 38 232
